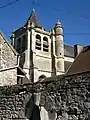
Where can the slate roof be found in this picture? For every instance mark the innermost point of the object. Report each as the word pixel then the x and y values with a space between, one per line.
pixel 67 64
pixel 81 63
pixel 69 51
pixel 34 18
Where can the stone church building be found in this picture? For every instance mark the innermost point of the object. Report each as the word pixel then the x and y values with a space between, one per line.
pixel 10 71
pixel 63 72
pixel 40 53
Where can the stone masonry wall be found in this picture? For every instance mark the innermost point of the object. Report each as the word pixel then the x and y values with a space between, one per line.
pixel 12 105
pixel 67 98
pixel 8 77
pixel 7 56
pixel 63 98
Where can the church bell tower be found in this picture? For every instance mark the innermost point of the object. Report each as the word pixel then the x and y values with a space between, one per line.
pixel 41 52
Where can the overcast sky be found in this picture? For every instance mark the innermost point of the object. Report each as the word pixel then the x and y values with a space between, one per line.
pixel 73 14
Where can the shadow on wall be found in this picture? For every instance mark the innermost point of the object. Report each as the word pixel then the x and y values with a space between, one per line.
pixel 32 111
pixel 22 60
pixel 41 78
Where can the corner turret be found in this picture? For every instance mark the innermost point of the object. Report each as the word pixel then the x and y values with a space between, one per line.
pixel 59 46
pixel 59 39
pixel 58 28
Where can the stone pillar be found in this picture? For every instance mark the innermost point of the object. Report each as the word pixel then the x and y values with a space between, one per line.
pixel 44 114
pixel 53 56
pixel 59 47
pixel 37 98
pixel 41 43
pixel 27 53
pixel 33 66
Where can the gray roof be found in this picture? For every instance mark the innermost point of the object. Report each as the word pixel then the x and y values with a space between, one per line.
pixel 81 63
pixel 67 65
pixel 69 51
pixel 34 18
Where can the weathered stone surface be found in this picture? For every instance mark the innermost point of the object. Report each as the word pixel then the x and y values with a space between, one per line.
pixel 8 57
pixel 8 60
pixel 65 99
pixel 8 77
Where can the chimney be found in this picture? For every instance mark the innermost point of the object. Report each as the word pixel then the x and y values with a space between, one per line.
pixel 77 50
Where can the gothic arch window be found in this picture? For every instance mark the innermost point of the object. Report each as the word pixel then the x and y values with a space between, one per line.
pixel 19 45
pixel 38 42
pixel 45 44
pixel 24 43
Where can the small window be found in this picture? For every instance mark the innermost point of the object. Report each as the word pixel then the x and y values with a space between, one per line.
pixel 45 44
pixel 38 42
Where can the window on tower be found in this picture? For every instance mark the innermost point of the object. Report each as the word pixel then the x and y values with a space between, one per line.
pixel 45 44
pixel 38 42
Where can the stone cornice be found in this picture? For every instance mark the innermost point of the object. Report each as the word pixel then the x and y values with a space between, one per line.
pixel 42 31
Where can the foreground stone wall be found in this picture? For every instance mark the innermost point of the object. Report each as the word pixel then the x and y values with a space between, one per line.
pixel 8 76
pixel 63 98
pixel 12 103
pixel 68 98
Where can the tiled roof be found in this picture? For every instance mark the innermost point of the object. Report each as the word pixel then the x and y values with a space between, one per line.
pixel 81 63
pixel 69 51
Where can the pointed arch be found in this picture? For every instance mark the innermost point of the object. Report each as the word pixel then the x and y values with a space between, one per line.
pixel 38 42
pixel 45 44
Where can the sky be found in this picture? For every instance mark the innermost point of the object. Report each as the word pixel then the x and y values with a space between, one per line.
pixel 73 14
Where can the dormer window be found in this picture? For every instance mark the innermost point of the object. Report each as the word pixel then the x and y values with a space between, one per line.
pixel 38 42
pixel 45 44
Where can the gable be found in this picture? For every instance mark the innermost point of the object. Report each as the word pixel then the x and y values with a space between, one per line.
pixel 8 56
pixel 5 41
